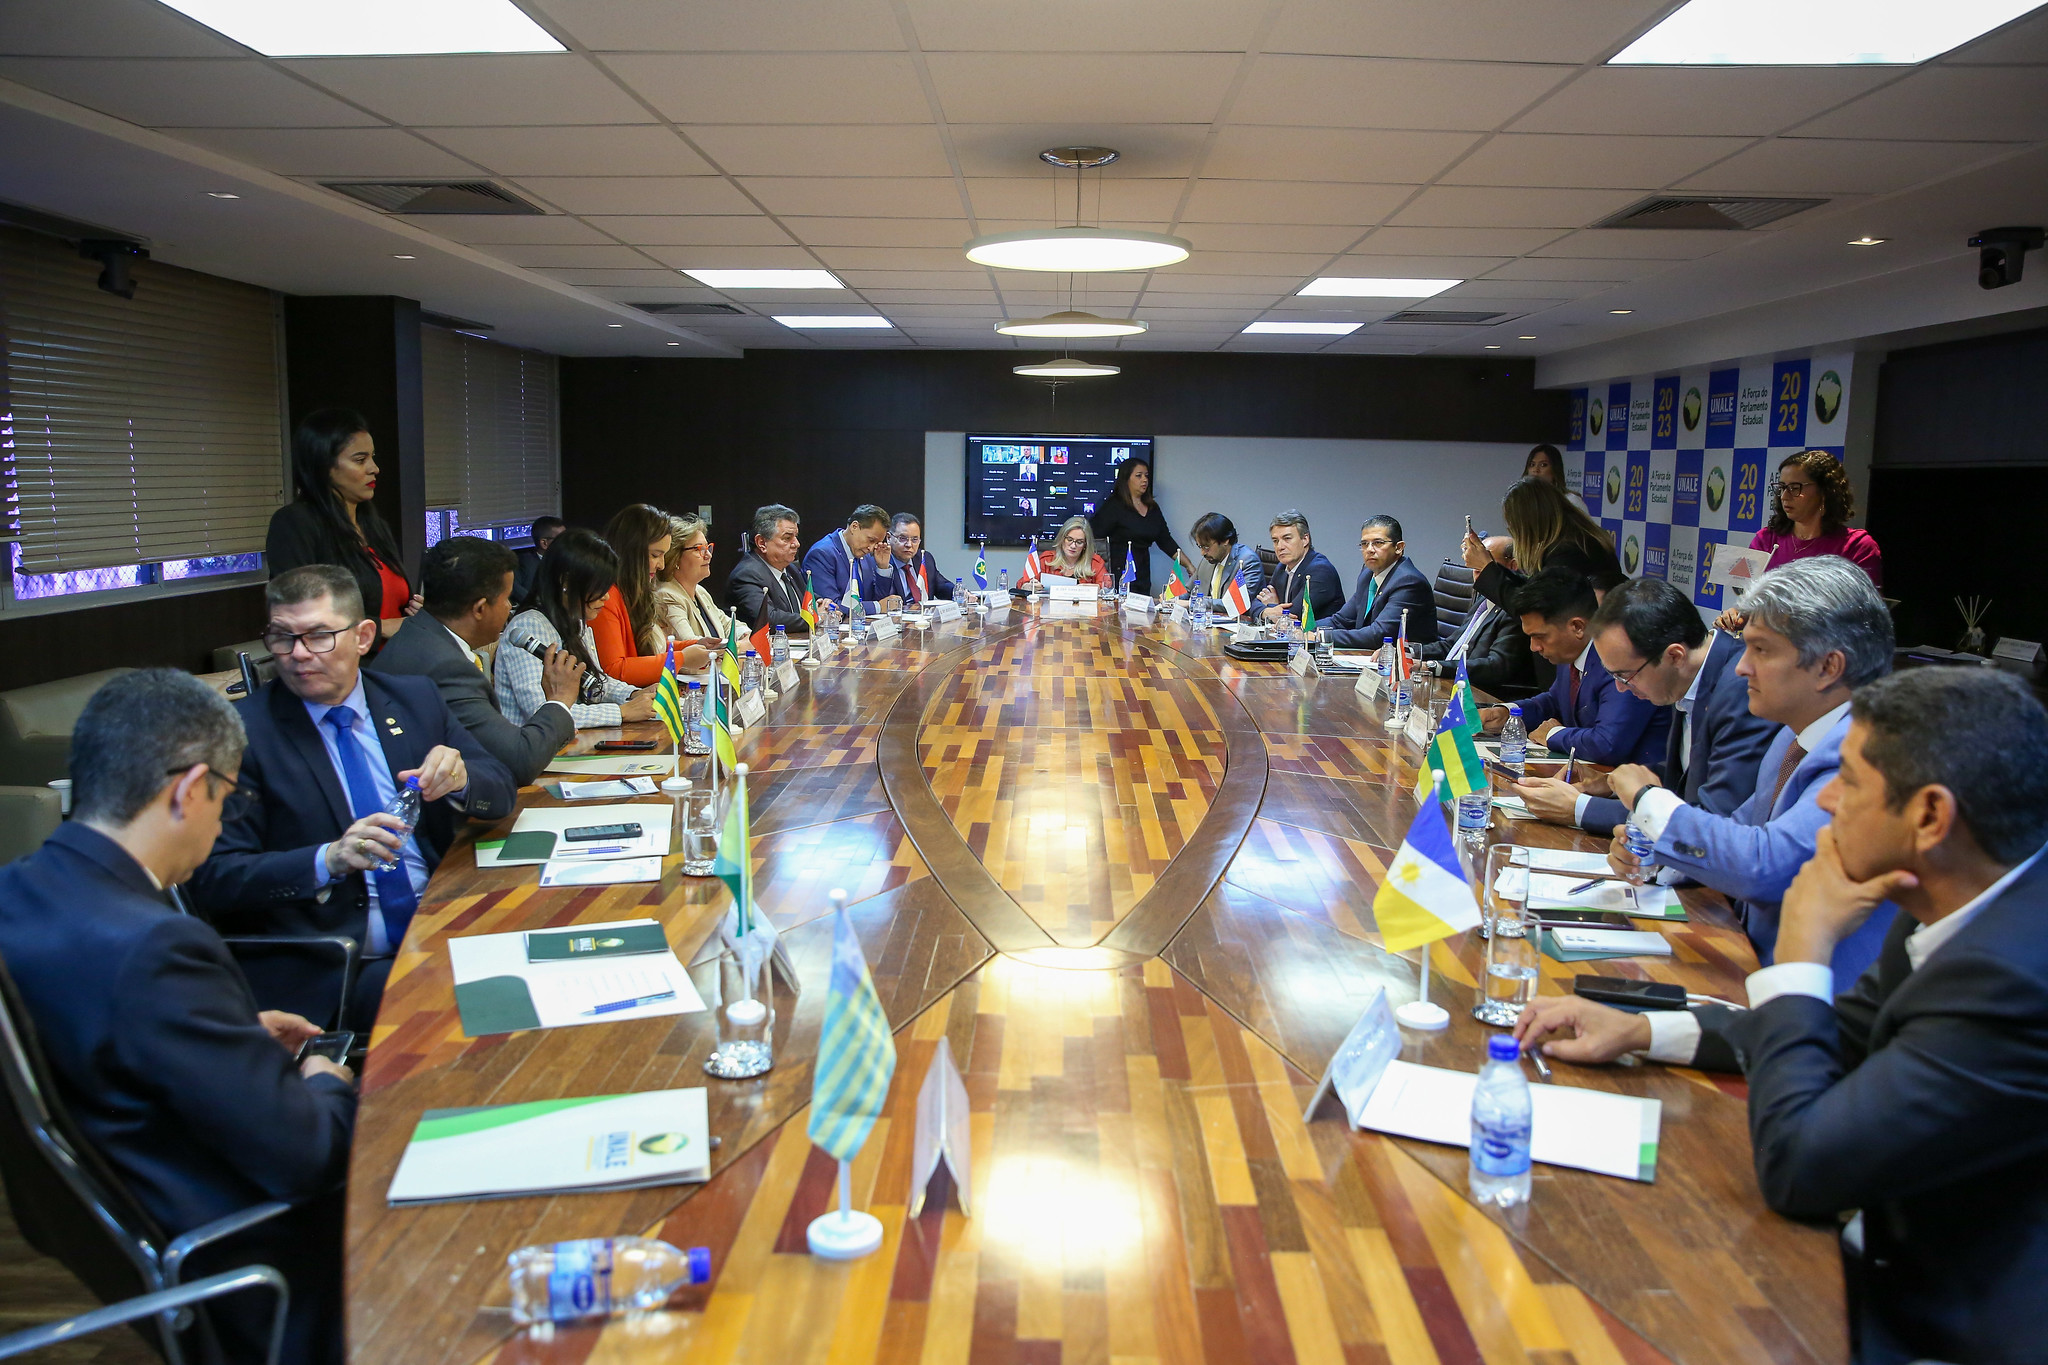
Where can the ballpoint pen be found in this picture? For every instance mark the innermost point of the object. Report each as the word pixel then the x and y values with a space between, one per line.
pixel 1542 1068
pixel 1571 763
pixel 618 1005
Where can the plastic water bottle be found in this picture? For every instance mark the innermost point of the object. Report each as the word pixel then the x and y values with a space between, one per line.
pixel 750 673
pixel 406 804
pixel 960 590
pixel 1383 662
pixel 599 1276
pixel 1642 846
pixel 1198 610
pixel 1475 812
pixel 696 734
pixel 1500 1127
pixel 778 647
pixel 1003 579
pixel 1514 744
pixel 860 623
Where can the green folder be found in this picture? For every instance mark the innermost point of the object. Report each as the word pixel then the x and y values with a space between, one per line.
pixel 559 945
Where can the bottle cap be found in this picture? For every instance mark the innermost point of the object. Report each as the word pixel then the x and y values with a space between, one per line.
pixel 413 783
pixel 1514 710
pixel 1502 1048
pixel 752 655
pixel 696 687
pixel 700 1265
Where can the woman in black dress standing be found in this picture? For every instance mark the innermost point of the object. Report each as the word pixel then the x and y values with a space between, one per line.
pixel 1130 521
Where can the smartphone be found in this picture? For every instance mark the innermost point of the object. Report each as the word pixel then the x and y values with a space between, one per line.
pixel 333 1046
pixel 583 834
pixel 1500 769
pixel 1468 525
pixel 623 746
pixel 1639 995
pixel 1585 919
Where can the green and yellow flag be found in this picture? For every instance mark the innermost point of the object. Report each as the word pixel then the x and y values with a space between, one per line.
pixel 1453 753
pixel 729 652
pixel 720 705
pixel 735 864
pixel 1308 611
pixel 668 698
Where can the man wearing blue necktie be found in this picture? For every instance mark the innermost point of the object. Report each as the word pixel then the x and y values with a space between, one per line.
pixel 307 846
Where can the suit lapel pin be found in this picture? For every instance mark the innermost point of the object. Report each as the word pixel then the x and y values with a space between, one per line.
pixel 391 726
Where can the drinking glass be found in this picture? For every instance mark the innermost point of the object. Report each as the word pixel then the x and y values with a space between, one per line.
pixel 1513 937
pixel 700 831
pixel 746 1013
pixel 1437 710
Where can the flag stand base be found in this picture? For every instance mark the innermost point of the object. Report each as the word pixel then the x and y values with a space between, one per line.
pixel 1422 1015
pixel 844 1235
pixel 675 784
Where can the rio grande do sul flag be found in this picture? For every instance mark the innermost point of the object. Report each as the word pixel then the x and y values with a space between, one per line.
pixel 1424 896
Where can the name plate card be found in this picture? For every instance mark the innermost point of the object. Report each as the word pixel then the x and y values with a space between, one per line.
pixel 993 598
pixel 1066 590
pixel 945 610
pixel 1302 661
pixel 998 604
pixel 785 676
pixel 882 628
pixel 753 709
pixel 1353 1074
pixel 1370 683
pixel 1418 725
pixel 1137 604
pixel 1177 609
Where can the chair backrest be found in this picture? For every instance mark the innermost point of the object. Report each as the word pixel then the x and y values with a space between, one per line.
pixel 67 1201
pixel 1267 558
pixel 28 815
pixel 36 724
pixel 1454 597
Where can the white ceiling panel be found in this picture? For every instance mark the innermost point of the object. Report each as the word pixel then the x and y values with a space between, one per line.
pixel 1529 292
pixel 186 94
pixel 1413 267
pixel 1993 104
pixel 698 257
pixel 1826 166
pixel 1064 25
pixel 778 87
pixel 1473 207
pixel 889 257
pixel 1085 86
pixel 1239 286
pixel 705 230
pixel 1145 151
pixel 353 152
pixel 112 28
pixel 1563 268
pixel 635 149
pixel 940 310
pixel 1721 101
pixel 787 25
pixel 1442 241
pixel 969 277
pixel 528 89
pixel 490 229
pixel 657 194
pixel 1384 156
pixel 896 232
pixel 1221 302
pixel 565 257
pixel 623 279
pixel 825 197
pixel 1287 201
pixel 1612 162
pixel 893 149
pixel 1362 92
pixel 960 296
pixel 1264 264
pixel 1571 31
pixel 1319 239
pixel 1652 244
pixel 1045 199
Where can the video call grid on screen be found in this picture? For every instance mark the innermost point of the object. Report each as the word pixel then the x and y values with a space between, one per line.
pixel 1024 486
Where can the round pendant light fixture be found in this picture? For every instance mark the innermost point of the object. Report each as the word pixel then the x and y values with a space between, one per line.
pixel 1066 367
pixel 1071 323
pixel 1078 249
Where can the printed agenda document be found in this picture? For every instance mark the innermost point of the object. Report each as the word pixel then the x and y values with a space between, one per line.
pixel 498 990
pixel 563 1146
pixel 1589 1130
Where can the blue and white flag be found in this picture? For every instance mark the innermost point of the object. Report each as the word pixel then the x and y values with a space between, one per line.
pixel 1130 568
pixel 856 1052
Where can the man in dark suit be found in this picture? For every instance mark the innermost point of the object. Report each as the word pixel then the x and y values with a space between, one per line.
pixel 763 578
pixel 467 583
pixel 1388 585
pixel 1915 1098
pixel 1650 637
pixel 1583 709
pixel 154 1041
pixel 1492 645
pixel 527 571
pixel 307 847
pixel 1303 571
pixel 913 574
pixel 844 561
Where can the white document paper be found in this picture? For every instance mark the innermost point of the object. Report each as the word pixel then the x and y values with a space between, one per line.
pixel 654 819
pixel 609 789
pixel 1057 580
pixel 1589 1130
pixel 1645 902
pixel 612 1142
pixel 564 992
pixel 1734 567
pixel 599 871
pixel 609 765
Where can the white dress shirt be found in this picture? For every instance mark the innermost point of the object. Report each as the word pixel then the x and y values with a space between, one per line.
pixel 477 661
pixel 1655 804
pixel 365 736
pixel 1684 708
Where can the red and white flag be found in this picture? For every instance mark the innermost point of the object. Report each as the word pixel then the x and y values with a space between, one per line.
pixel 1031 570
pixel 1240 601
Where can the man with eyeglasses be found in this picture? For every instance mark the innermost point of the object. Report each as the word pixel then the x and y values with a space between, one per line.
pixel 914 575
pixel 1583 710
pixel 307 847
pixel 1388 585
pixel 1652 641
pixel 843 562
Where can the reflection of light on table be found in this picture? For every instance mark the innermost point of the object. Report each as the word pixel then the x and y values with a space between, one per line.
pixel 1054 1215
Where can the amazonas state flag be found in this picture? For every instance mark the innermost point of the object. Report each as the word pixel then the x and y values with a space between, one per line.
pixel 1424 896
pixel 1240 602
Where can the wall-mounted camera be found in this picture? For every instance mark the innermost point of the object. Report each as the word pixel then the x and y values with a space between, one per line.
pixel 114 254
pixel 2002 254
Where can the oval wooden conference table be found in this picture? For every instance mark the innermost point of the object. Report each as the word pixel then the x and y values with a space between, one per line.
pixel 1131 881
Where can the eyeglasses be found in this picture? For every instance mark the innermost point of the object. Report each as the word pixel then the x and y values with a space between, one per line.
pixel 1794 487
pixel 234 784
pixel 1375 544
pixel 1624 676
pixel 282 643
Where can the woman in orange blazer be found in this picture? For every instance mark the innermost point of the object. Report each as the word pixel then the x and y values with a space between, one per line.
pixel 630 643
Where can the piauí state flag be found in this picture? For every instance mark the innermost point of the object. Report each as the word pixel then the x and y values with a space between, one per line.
pixel 668 698
pixel 1240 601
pixel 856 1054
pixel 981 568
pixel 1424 896
pixel 1178 583
pixel 1030 563
pixel 1452 751
pixel 735 863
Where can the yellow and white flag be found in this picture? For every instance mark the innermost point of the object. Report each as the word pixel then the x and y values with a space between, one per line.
pixel 1425 895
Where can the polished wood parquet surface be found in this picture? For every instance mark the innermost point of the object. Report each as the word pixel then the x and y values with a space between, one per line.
pixel 1144 1187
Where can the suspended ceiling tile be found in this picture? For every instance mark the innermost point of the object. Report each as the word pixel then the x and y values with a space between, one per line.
pixel 526 89
pixel 801 88
pixel 828 197
pixel 619 278
pixel 751 229
pixel 896 232
pixel 1992 104
pixel 887 149
pixel 1194 318
pixel 1581 160
pixel 1564 268
pixel 488 229
pixel 734 257
pixel 1146 87
pixel 1529 292
pixel 971 277
pixel 1725 101
pixel 1453 241
pixel 890 258
pixel 1383 156
pixel 1145 150
pixel 110 28
pixel 1571 31
pixel 1828 166
pixel 634 149
pixel 1282 201
pixel 787 25
pixel 654 194
pixel 984 297
pixel 943 310
pixel 1488 207
pixel 349 152
pixel 1321 239
pixel 1066 25
pixel 543 257
pixel 243 93
pixel 1660 244
pixel 1363 92
pixel 1043 200
pixel 1262 264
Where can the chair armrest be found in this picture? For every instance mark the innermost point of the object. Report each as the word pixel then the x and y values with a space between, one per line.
pixel 205 1233
pixel 312 945
pixel 163 1302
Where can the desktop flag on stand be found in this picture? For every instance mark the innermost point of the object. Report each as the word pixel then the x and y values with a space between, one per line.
pixel 1030 564
pixel 1424 896
pixel 1240 601
pixel 804 607
pixel 1452 751
pixel 668 698
pixel 1130 570
pixel 856 1054
pixel 1178 582
pixel 981 569
pixel 735 865
pixel 760 638
pixel 720 705
pixel 1308 613
pixel 729 655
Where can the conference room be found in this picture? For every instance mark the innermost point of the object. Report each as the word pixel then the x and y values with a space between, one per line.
pixel 920 680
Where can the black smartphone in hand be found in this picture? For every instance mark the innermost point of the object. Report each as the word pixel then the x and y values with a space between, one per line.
pixel 333 1046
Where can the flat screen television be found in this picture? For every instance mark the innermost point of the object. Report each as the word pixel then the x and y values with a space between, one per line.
pixel 1024 486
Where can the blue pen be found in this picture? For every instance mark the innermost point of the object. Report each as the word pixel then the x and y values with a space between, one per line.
pixel 1571 763
pixel 618 1005
pixel 590 852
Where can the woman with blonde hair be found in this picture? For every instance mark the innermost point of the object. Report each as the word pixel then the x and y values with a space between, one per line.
pixel 682 608
pixel 1547 529
pixel 1073 555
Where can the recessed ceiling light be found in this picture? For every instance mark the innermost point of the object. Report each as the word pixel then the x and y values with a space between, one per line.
pixel 221 194
pixel 371 28
pixel 1083 250
pixel 1071 324
pixel 1815 32
pixel 1066 368
pixel 675 343
pixel 1493 346
pixel 405 258
pixel 1869 241
pixel 1621 312
pixel 830 321
pixel 1362 287
pixel 1303 329
pixel 615 324
pixel 1525 338
pixel 766 279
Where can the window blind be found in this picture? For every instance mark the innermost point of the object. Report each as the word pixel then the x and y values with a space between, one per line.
pixel 143 429
pixel 492 450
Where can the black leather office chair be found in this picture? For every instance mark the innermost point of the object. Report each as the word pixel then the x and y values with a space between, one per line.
pixel 292 973
pixel 1454 597
pixel 70 1205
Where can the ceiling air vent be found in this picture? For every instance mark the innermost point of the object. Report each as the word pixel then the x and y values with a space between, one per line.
pixel 1707 214
pixel 1445 317
pixel 434 196
pixel 687 310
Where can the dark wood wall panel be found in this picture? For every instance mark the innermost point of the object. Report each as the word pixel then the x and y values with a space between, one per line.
pixel 171 632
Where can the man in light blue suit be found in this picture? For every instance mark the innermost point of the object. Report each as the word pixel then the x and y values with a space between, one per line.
pixel 1816 631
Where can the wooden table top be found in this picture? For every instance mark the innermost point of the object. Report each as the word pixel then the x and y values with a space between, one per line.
pixel 1131 881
